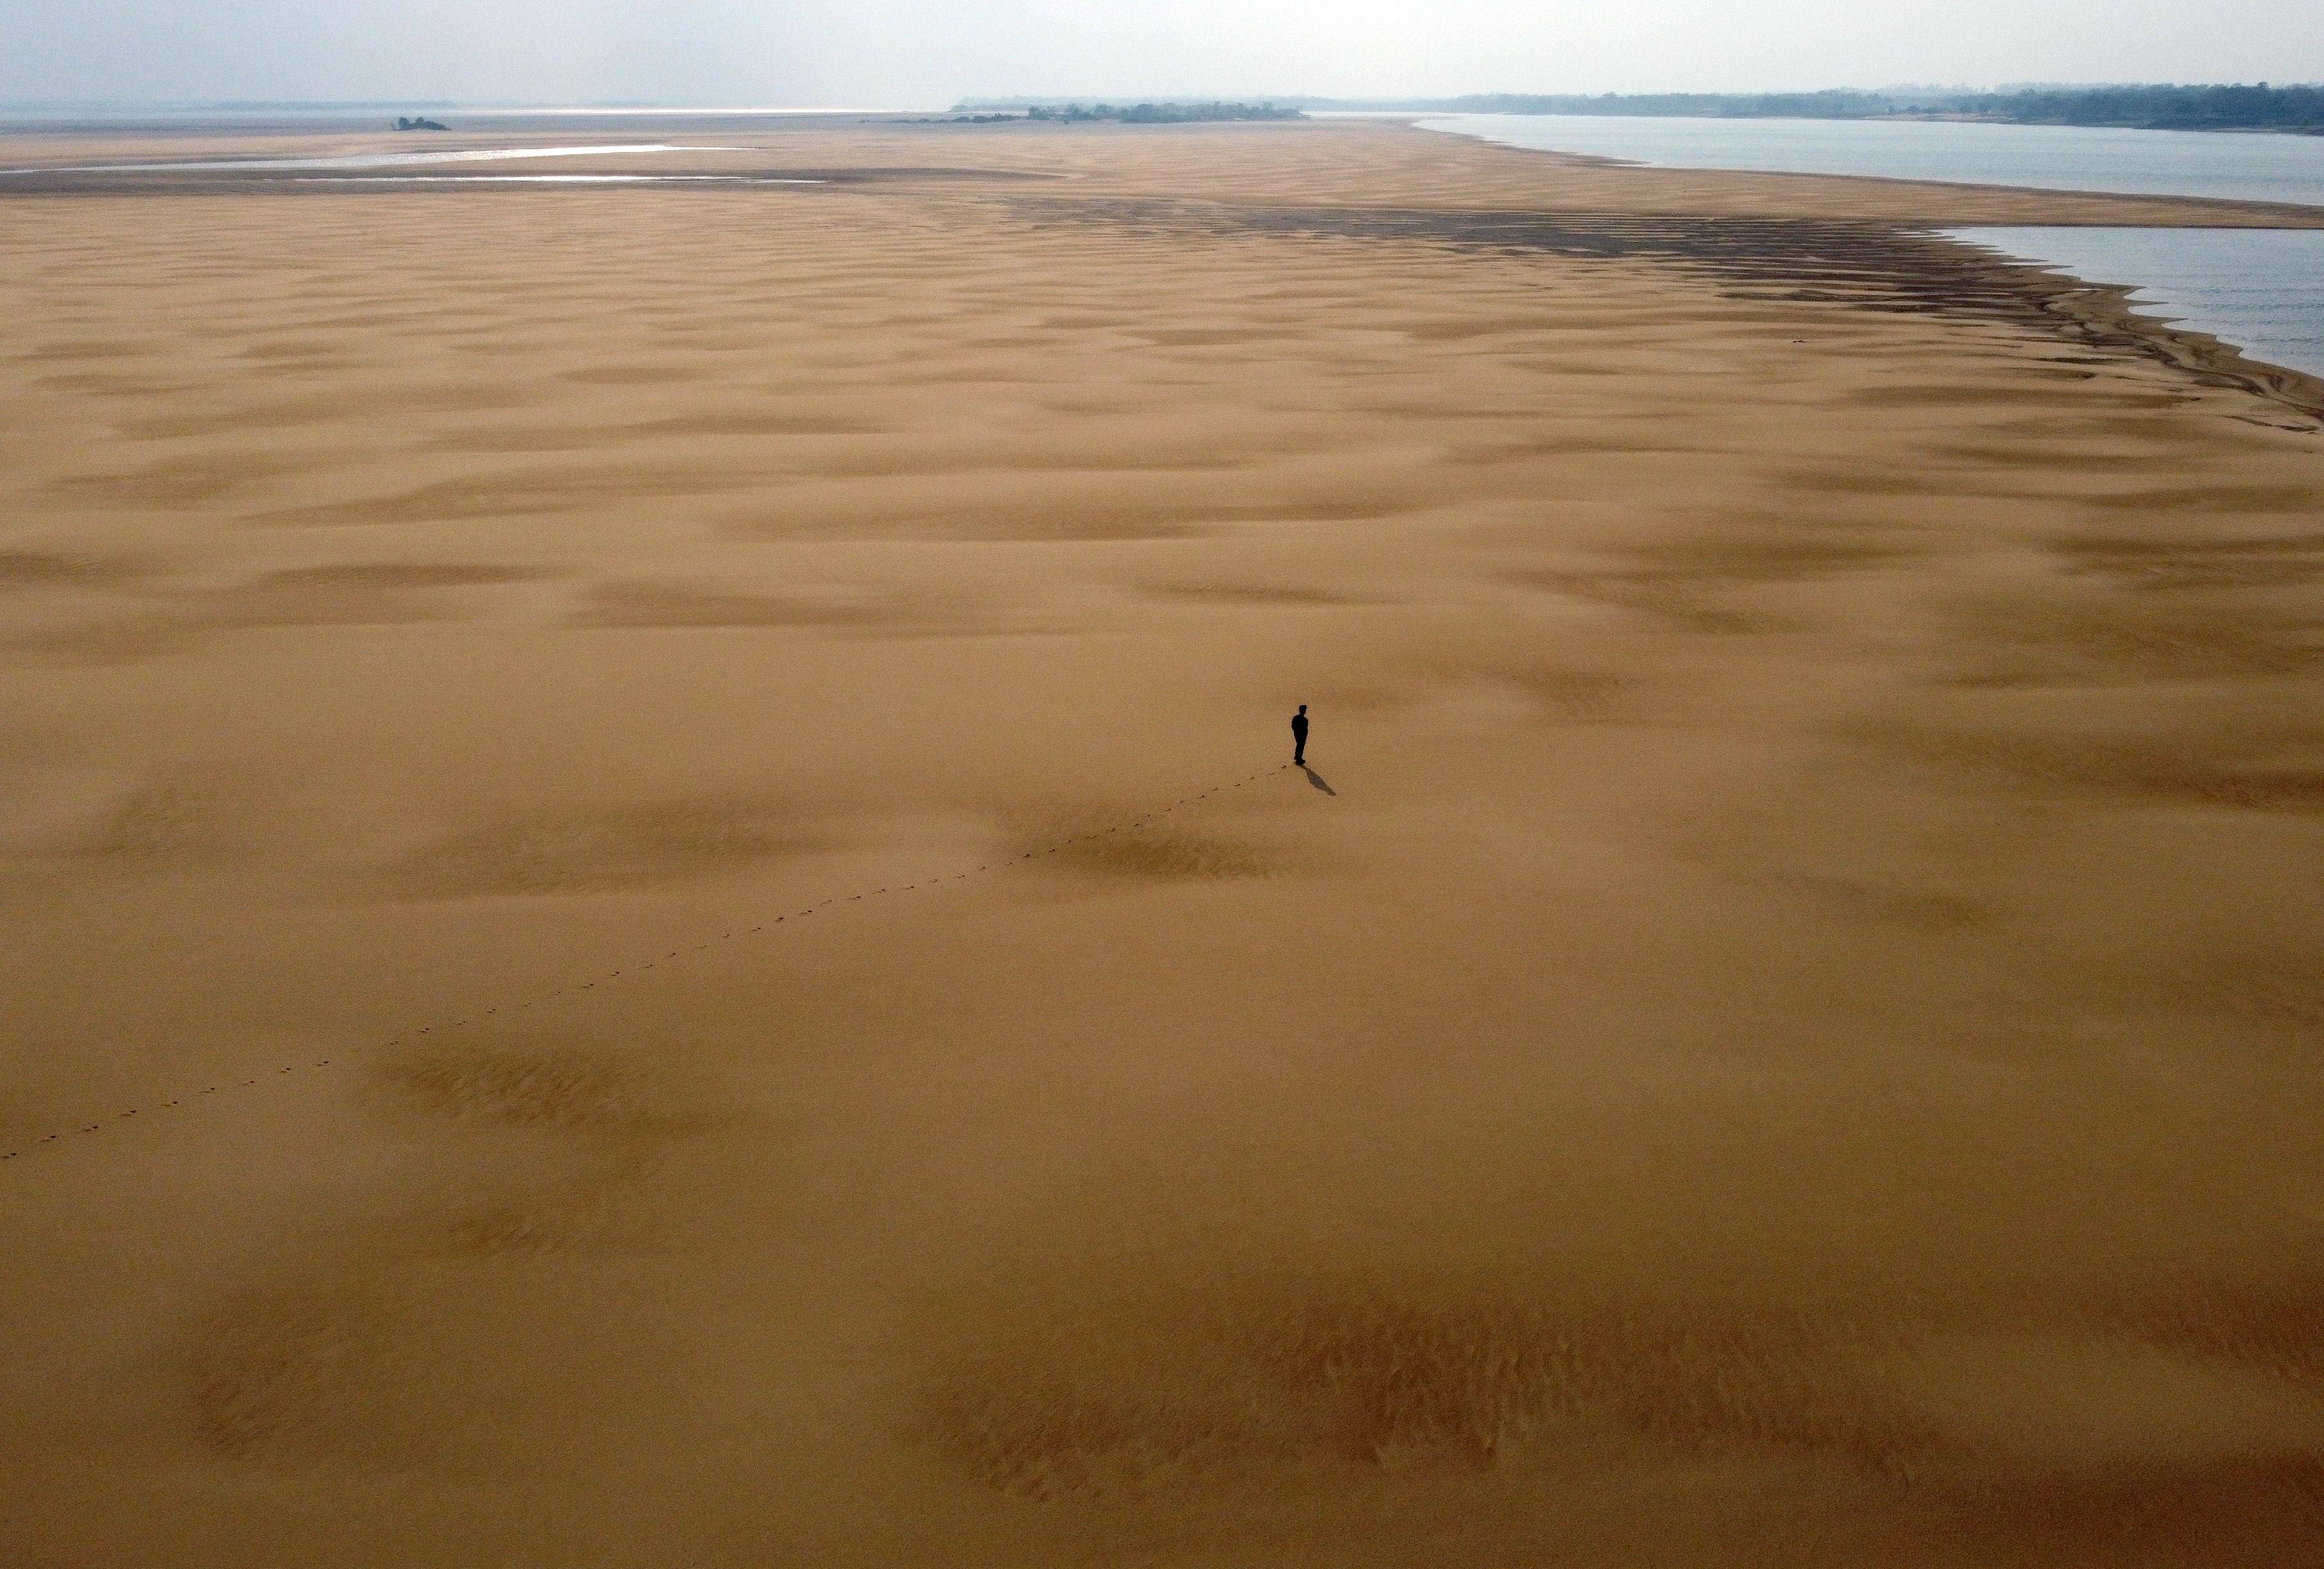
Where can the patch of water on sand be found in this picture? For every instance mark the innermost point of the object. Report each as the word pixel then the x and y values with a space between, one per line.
pixel 369 160
pixel 542 180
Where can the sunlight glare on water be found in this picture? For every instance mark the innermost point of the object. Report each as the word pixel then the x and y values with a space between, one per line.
pixel 370 159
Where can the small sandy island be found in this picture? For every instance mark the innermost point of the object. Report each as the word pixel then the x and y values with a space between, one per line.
pixel 657 916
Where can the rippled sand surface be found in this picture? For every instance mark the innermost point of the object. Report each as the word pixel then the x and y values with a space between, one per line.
pixel 1780 1028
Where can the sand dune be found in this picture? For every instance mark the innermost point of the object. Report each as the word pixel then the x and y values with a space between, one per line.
pixel 656 915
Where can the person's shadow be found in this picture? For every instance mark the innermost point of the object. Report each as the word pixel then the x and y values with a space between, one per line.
pixel 1317 780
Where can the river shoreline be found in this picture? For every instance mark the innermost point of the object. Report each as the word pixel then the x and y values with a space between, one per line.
pixel 2109 316
pixel 2103 307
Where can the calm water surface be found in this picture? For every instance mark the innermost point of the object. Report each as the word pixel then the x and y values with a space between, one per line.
pixel 2254 167
pixel 2261 289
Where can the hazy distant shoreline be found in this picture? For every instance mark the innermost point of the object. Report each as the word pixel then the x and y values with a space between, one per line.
pixel 2298 109
pixel 2295 110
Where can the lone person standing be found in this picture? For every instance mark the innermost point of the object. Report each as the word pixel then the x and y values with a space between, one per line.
pixel 1299 737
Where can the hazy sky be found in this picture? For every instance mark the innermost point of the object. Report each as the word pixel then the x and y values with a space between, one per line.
pixel 917 53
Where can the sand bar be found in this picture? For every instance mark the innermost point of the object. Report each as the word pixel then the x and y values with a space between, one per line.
pixel 655 917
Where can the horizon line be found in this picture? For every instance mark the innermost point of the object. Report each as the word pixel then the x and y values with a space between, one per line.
pixel 639 106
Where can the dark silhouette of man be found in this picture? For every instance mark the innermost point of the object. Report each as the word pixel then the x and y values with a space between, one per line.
pixel 1299 737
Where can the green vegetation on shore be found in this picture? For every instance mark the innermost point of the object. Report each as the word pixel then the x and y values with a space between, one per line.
pixel 2168 108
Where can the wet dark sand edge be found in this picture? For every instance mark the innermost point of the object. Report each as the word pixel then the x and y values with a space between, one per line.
pixel 1864 263
pixel 2109 319
pixel 1878 261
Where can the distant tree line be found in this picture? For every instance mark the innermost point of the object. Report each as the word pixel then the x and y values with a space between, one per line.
pixel 2259 107
pixel 2153 108
pixel 2256 107
pixel 1157 114
pixel 1832 104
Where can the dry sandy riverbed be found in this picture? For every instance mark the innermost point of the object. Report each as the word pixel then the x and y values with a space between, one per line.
pixel 1781 1030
